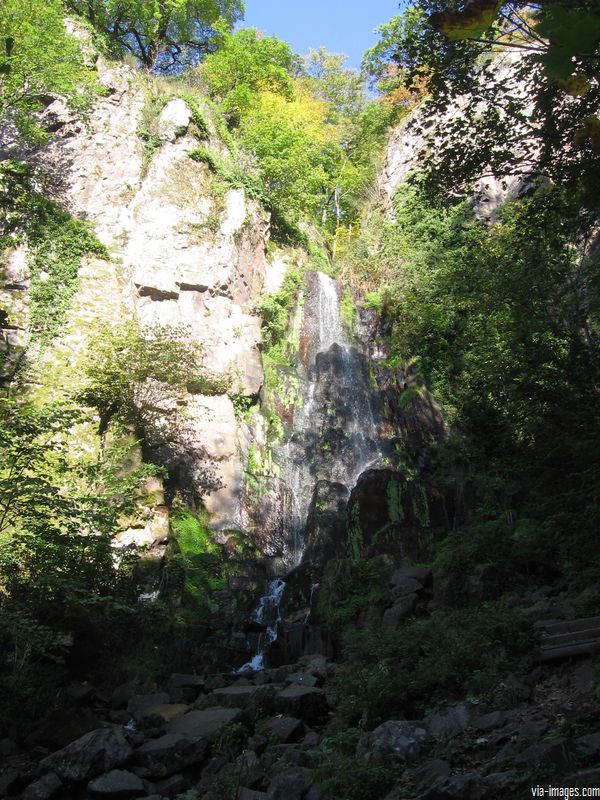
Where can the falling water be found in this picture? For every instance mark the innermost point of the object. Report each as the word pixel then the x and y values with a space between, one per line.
pixel 334 435
pixel 267 614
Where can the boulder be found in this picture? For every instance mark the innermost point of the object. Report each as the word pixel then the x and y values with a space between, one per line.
pixel 291 784
pixel 406 586
pixel 139 702
pixel 423 776
pixel 164 712
pixel 234 696
pixel 451 723
pixel 305 702
pixel 170 754
pixel 455 787
pixel 174 120
pixel 204 724
pixel 392 742
pixel 43 789
pixel 118 783
pixel 282 730
pixel 422 575
pixel 92 754
pixel 400 611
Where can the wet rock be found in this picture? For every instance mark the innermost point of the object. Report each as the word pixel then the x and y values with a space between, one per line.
pixel 487 722
pixel 118 783
pixel 392 742
pixel 234 696
pixel 326 527
pixel 92 754
pixel 302 679
pixel 170 754
pixel 291 784
pixel 558 753
pixel 588 746
pixel 500 781
pixel 251 794
pixel 43 789
pixel 160 714
pixel 406 586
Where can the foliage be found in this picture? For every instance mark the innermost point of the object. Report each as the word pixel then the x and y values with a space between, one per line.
pixel 202 558
pixel 131 370
pixel 246 64
pixel 58 577
pixel 164 35
pixel 38 58
pixel 350 587
pixel 344 776
pixel 56 244
pixel 387 672
pixel 275 309
pixel 534 113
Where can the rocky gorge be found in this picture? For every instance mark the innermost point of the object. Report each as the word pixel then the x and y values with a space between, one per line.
pixel 320 569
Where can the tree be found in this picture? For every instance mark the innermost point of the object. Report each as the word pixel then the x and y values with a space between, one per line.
pixel 246 64
pixel 342 88
pixel 164 35
pixel 531 111
pixel 38 58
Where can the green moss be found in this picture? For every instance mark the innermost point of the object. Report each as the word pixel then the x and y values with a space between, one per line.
pixel 394 499
pixel 348 310
pixel 202 560
pixel 57 244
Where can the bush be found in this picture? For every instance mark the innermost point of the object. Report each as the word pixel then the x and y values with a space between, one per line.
pixel 404 671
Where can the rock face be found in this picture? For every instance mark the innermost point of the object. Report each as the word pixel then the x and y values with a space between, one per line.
pixel 184 256
pixel 392 742
pixel 418 134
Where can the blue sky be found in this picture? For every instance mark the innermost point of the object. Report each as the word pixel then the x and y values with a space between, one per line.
pixel 342 26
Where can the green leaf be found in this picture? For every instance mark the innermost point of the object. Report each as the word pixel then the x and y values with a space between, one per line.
pixel 470 23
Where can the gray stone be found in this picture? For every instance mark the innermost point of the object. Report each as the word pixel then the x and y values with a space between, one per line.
pixel 305 702
pixel 423 776
pixel 400 611
pixel 141 701
pixel 172 786
pixel 487 722
pixel 455 787
pixel 291 784
pixel 392 742
pixel 451 723
pixel 203 724
pixel 282 730
pixel 558 753
pixel 404 586
pixel 422 575
pixel 43 789
pixel 251 794
pixel 117 783
pixel 179 680
pixel 92 754
pixel 302 679
pixel 170 754
pixel 234 696
pixel 174 120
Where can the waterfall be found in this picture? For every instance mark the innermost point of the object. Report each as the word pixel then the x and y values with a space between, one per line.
pixel 334 435
pixel 266 614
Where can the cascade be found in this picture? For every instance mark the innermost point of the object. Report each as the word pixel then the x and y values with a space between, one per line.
pixel 333 437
